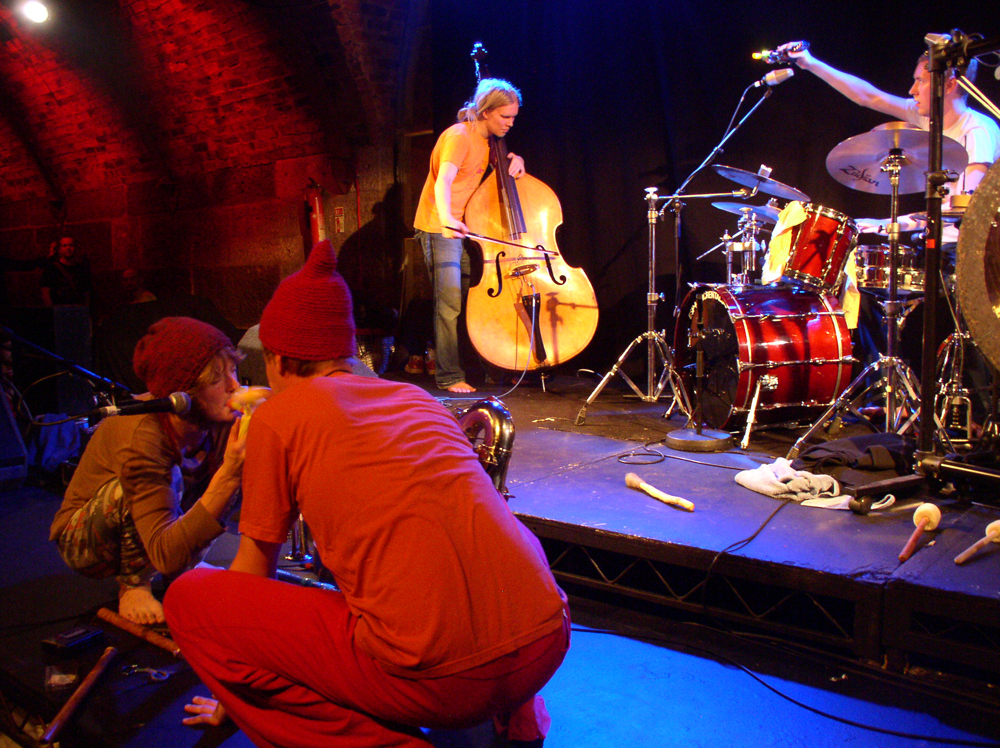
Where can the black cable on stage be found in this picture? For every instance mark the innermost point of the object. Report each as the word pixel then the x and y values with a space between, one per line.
pixel 874 672
pixel 738 545
pixel 651 638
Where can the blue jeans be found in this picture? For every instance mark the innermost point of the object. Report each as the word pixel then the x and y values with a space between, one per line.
pixel 448 263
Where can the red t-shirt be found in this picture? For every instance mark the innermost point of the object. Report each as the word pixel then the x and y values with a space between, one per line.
pixel 440 573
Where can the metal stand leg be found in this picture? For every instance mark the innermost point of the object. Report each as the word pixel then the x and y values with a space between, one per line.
pixel 655 342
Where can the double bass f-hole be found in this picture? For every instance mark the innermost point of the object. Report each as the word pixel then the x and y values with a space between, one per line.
pixel 548 266
pixel 489 291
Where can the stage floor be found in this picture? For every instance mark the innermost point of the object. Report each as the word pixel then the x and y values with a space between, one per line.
pixel 825 580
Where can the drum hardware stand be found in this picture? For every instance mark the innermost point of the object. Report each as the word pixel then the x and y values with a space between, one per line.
pixel 942 54
pixel 749 229
pixel 698 439
pixel 902 399
pixel 953 409
pixel 656 344
pixel 766 382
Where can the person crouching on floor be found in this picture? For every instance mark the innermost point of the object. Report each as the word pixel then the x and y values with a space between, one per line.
pixel 447 613
pixel 152 491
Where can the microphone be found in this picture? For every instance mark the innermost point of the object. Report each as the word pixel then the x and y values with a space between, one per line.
pixel 780 56
pixel 775 77
pixel 634 481
pixel 178 403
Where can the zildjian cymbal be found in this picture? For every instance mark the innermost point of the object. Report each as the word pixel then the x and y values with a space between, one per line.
pixel 763 184
pixel 857 162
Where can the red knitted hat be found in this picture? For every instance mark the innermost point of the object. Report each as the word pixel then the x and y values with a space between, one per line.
pixel 174 351
pixel 311 316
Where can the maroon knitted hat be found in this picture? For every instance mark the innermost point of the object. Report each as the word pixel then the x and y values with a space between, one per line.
pixel 310 317
pixel 174 351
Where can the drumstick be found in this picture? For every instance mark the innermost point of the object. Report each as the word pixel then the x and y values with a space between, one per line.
pixel 634 481
pixel 78 695
pixel 992 536
pixel 926 517
pixel 136 630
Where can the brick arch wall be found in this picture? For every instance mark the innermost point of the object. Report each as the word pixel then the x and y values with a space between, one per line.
pixel 177 138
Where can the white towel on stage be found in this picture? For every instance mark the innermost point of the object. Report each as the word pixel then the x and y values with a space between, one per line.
pixel 782 481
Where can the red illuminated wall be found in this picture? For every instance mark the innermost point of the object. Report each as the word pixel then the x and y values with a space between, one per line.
pixel 177 137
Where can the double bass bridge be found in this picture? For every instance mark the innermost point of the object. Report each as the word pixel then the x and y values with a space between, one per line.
pixel 522 270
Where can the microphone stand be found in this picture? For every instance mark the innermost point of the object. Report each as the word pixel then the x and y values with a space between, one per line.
pixel 656 345
pixel 102 386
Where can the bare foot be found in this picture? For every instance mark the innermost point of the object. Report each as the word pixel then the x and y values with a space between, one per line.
pixel 137 604
pixel 461 387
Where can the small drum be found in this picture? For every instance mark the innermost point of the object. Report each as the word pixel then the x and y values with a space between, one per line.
pixel 820 246
pixel 872 263
pixel 794 343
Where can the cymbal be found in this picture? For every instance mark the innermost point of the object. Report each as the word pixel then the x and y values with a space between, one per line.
pixel 948 215
pixel 857 162
pixel 763 184
pixel 763 213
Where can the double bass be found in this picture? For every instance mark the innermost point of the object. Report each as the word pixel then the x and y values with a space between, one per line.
pixel 531 310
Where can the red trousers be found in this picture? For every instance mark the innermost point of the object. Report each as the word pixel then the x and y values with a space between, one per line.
pixel 282 661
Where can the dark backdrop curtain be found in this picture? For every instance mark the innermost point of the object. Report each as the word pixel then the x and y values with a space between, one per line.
pixel 620 96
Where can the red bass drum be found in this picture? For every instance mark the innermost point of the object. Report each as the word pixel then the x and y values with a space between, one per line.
pixel 792 344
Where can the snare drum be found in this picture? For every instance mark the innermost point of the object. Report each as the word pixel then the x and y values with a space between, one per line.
pixel 793 343
pixel 819 249
pixel 872 263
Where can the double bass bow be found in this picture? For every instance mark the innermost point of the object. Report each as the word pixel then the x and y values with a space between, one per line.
pixel 531 310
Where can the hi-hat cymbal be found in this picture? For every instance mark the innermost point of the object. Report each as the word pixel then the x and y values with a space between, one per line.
pixel 763 184
pixel 857 162
pixel 763 213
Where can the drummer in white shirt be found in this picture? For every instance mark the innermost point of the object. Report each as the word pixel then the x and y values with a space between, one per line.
pixel 978 133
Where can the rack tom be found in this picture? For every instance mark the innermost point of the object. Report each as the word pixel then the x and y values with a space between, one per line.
pixel 820 246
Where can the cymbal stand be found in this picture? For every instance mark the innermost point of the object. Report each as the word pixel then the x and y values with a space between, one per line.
pixel 658 352
pixel 896 381
pixel 747 249
pixel 656 344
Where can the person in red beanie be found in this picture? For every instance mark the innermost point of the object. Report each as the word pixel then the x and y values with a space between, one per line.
pixel 447 614
pixel 152 491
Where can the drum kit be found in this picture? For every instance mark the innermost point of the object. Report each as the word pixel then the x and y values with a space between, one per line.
pixel 779 353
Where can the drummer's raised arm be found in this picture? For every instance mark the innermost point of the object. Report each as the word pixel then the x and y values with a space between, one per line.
pixel 857 90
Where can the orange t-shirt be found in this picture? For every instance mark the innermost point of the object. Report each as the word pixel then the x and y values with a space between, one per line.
pixel 440 574
pixel 461 145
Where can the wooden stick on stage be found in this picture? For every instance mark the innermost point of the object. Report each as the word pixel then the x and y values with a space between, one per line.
pixel 634 481
pixel 136 630
pixel 78 695
pixel 992 536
